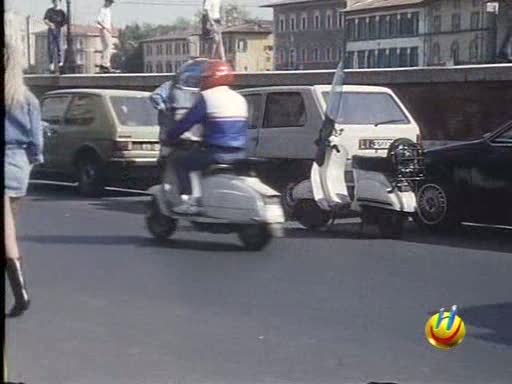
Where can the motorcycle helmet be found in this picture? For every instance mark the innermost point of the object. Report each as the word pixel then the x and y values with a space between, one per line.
pixel 218 73
pixel 189 74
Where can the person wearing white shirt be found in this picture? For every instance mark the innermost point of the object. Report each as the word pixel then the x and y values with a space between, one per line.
pixel 212 27
pixel 104 22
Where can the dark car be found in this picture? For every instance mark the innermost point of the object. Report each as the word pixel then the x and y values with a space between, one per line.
pixel 469 182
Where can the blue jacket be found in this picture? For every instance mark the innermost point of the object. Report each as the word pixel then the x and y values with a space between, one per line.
pixel 23 128
pixel 223 114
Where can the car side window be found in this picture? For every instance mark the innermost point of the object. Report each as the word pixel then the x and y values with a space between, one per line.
pixel 284 109
pixel 254 107
pixel 504 138
pixel 81 110
pixel 53 109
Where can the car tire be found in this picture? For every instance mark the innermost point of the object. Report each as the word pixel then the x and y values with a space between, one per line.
pixel 255 237
pixel 287 200
pixel 161 227
pixel 91 176
pixel 436 208
pixel 310 215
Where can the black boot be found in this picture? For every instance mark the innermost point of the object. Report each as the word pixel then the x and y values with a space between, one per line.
pixel 19 290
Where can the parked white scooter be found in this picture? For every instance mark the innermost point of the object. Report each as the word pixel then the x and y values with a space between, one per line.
pixel 231 200
pixel 384 191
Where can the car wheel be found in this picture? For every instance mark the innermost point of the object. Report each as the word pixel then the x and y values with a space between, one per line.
pixel 255 237
pixel 310 215
pixel 287 200
pixel 91 178
pixel 161 227
pixel 436 209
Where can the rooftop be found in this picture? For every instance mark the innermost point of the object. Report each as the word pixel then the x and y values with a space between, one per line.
pixel 263 26
pixel 289 2
pixel 181 34
pixel 359 5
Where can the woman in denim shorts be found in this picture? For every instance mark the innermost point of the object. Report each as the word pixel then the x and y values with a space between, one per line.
pixel 23 149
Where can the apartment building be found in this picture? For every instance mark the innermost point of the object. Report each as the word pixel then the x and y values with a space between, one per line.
pixel 166 54
pixel 307 34
pixel 249 46
pixel 384 33
pixel 87 47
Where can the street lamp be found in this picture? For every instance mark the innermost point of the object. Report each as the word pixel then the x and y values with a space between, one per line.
pixel 69 57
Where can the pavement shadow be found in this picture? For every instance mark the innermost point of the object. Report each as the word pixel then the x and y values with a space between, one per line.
pixel 137 207
pixel 495 319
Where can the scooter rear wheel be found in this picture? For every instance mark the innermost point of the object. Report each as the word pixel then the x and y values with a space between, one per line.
pixel 161 227
pixel 255 237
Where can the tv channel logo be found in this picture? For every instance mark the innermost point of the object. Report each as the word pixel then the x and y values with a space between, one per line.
pixel 445 330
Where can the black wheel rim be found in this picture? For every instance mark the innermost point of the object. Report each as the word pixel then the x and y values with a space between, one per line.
pixel 432 204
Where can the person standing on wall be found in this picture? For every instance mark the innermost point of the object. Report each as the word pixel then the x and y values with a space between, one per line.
pixel 104 22
pixel 212 25
pixel 55 18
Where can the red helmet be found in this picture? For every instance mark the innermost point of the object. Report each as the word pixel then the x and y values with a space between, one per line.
pixel 218 73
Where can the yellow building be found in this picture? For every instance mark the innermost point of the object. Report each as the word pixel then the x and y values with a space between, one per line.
pixel 249 46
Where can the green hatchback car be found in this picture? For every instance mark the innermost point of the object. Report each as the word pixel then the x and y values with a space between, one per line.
pixel 100 138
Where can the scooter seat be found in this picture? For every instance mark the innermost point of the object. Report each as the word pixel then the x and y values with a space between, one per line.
pixel 239 166
pixel 219 168
pixel 373 164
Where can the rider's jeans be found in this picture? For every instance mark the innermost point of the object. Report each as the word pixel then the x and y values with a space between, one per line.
pixel 55 46
pixel 199 159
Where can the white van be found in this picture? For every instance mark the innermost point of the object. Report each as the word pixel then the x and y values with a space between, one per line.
pixel 285 122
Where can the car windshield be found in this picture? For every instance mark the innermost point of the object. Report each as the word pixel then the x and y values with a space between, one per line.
pixel 367 108
pixel 134 111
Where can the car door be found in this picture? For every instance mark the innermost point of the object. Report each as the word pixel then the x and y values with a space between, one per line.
pixel 491 180
pixel 77 129
pixel 255 107
pixel 53 109
pixel 284 132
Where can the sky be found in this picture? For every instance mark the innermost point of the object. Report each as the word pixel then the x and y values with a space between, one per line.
pixel 128 11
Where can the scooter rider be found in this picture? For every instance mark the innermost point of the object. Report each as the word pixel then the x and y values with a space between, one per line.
pixel 223 114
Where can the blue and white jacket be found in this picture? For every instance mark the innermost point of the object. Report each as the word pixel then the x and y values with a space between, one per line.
pixel 223 114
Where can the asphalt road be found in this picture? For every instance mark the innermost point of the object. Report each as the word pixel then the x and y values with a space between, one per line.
pixel 110 306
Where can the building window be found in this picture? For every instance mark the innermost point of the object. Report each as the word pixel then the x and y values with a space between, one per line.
pixel 475 20
pixel 281 26
pixel 370 59
pixel 476 3
pixel 168 49
pixel 293 23
pixel 381 58
pixel 372 27
pixel 317 20
pixel 351 29
pixel 185 48
pixel 414 57
pixel 149 67
pixel 473 51
pixel 340 19
pixel 80 43
pixel 361 59
pixel 328 54
pixel 80 58
pixel 316 55
pixel 454 52
pixel 349 60
pixel 403 57
pixel 383 27
pixel 281 57
pixel 177 49
pixel 393 25
pixel 403 24
pixel 149 50
pixel 436 53
pixel 361 28
pixel 393 57
pixel 293 58
pixel 159 67
pixel 456 4
pixel 242 45
pixel 415 23
pixel 328 20
pixel 304 22
pixel 456 22
pixel 340 54
pixel 436 26
pixel 304 55
pixel 159 50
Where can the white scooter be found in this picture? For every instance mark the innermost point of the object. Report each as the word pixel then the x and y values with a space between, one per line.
pixel 231 200
pixel 384 192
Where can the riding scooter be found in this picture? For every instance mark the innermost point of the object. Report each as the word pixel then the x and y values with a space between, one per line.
pixel 230 199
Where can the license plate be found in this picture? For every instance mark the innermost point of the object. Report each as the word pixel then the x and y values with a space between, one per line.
pixel 375 143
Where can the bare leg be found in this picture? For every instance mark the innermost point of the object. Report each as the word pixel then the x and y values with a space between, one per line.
pixel 13 263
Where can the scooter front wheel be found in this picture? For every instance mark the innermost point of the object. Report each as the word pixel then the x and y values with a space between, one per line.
pixel 161 227
pixel 255 237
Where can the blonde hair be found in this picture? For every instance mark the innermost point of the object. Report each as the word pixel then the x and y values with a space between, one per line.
pixel 14 86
